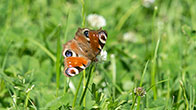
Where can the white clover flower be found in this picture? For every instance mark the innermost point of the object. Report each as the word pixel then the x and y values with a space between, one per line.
pixel 130 36
pixel 148 3
pixel 96 20
pixel 102 56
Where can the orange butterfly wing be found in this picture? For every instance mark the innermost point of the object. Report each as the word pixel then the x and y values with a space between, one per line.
pixel 82 50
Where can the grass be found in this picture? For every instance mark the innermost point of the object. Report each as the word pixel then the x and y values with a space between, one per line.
pixel 161 60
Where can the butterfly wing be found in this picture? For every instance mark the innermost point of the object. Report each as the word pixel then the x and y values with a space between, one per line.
pixel 91 41
pixel 74 61
pixel 82 50
pixel 74 65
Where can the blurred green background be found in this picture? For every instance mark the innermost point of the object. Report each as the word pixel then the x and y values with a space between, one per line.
pixel 160 34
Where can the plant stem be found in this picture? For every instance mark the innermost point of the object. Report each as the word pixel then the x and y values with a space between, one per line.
pixel 83 13
pixel 154 63
pixel 84 83
pixel 86 86
pixel 133 105
pixel 113 61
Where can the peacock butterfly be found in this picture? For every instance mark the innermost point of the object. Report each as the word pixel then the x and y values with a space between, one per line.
pixel 82 50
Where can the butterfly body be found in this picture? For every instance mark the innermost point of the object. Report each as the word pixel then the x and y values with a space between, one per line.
pixel 82 50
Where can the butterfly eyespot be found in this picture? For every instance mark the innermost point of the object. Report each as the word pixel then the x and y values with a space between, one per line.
pixel 103 37
pixel 71 72
pixel 69 53
pixel 86 33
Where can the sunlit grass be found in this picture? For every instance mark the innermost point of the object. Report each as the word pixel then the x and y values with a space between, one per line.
pixel 161 60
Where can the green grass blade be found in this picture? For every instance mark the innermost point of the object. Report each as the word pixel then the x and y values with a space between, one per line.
pixel 84 84
pixel 154 62
pixel 127 15
pixel 58 58
pixel 143 74
pixel 44 49
pixel 153 72
pixel 184 95
pixel 6 56
pixel 83 13
pixel 156 84
pixel 87 83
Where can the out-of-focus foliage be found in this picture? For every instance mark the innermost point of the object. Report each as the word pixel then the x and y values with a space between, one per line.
pixel 162 32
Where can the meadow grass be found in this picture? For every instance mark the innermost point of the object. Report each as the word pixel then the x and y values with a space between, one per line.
pixel 159 55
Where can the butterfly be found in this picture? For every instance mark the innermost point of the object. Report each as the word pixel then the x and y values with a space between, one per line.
pixel 82 50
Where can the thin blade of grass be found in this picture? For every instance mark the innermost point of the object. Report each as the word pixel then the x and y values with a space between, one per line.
pixel 83 13
pixel 44 49
pixel 6 56
pixel 154 63
pixel 87 83
pixel 143 74
pixel 127 15
pixel 58 58
pixel 32 104
pixel 157 84
pixel 184 95
pixel 84 84
pixel 153 72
